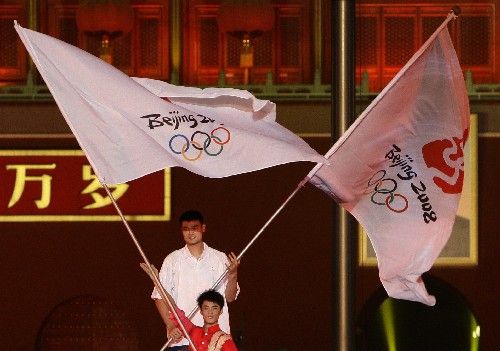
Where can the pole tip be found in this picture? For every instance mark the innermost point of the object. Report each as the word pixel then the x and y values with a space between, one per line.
pixel 456 10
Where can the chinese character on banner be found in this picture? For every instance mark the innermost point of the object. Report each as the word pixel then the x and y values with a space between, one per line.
pixel 60 185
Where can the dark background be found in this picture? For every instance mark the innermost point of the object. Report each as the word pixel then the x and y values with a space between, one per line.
pixel 285 278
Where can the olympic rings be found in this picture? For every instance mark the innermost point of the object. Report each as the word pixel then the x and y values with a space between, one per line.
pixel 379 179
pixel 207 138
pixel 378 184
pixel 386 191
pixel 186 146
pixel 216 140
pixel 387 203
pixel 372 182
pixel 200 145
pixel 228 137
pixel 172 139
pixel 383 201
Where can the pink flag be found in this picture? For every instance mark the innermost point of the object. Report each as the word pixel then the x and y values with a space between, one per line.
pixel 399 168
pixel 127 130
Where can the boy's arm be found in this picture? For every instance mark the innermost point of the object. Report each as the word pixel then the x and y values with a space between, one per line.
pixel 172 329
pixel 229 345
pixel 172 325
pixel 184 320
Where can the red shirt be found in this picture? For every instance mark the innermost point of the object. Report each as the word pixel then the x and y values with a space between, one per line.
pixel 202 339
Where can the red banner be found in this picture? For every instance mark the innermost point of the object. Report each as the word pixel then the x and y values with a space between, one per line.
pixel 60 185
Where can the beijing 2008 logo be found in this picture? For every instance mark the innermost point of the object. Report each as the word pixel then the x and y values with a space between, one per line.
pixel 447 158
pixel 200 143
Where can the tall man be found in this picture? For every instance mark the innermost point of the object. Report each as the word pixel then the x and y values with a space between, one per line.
pixel 189 271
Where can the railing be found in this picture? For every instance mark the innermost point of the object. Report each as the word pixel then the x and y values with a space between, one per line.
pixel 27 92
pixel 481 90
pixel 269 90
pixel 313 91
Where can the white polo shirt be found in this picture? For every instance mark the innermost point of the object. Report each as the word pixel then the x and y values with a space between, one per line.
pixel 185 277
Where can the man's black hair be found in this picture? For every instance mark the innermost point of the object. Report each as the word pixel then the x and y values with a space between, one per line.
pixel 212 296
pixel 191 215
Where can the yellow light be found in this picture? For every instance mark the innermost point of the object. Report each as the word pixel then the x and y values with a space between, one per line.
pixel 476 332
pixel 387 311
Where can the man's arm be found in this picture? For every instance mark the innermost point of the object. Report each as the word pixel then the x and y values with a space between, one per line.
pixel 232 278
pixel 163 309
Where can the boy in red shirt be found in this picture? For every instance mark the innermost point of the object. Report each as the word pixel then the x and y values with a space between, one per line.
pixel 209 337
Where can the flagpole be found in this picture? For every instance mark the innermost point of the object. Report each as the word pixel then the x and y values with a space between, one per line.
pixel 454 12
pixel 153 276
pixel 343 266
pixel 344 331
pixel 245 249
pixel 344 343
pixel 307 178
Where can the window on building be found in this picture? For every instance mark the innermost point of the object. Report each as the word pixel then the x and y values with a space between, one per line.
pixel 285 51
pixel 387 35
pixel 142 52
pixel 13 59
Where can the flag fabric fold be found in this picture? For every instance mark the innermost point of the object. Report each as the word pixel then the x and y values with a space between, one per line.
pixel 399 168
pixel 130 127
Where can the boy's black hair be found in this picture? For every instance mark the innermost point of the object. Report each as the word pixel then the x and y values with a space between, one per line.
pixel 212 296
pixel 191 215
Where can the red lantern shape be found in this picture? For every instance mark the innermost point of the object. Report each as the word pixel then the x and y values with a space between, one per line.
pixel 107 19
pixel 246 19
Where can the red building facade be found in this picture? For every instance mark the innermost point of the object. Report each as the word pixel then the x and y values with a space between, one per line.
pixel 48 268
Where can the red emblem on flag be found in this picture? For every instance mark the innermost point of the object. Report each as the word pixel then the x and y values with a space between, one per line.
pixel 447 156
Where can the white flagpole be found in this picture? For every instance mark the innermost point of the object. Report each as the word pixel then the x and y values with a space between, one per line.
pixel 451 15
pixel 153 276
pixel 256 236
